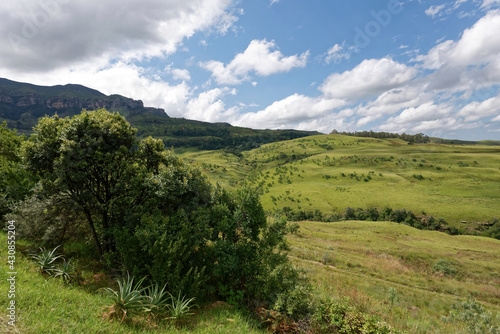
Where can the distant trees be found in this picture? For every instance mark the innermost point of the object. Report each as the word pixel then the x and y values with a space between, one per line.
pixel 419 138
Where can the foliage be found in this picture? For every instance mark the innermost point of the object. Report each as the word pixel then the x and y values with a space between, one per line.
pixel 475 318
pixel 48 221
pixel 158 298
pixel 180 307
pixel 445 267
pixel 154 215
pixel 66 271
pixel 45 260
pixel 128 300
pixel 340 316
pixel 418 138
pixel 15 182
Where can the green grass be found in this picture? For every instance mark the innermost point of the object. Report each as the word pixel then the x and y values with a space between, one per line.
pixel 457 183
pixel 384 268
pixel 389 268
pixel 47 305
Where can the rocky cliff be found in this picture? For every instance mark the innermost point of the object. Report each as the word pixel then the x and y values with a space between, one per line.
pixel 22 104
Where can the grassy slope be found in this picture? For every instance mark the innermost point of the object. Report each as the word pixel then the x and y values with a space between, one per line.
pixel 361 260
pixel 460 183
pixel 364 260
pixel 48 306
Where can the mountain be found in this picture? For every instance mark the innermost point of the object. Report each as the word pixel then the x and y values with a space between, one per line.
pixel 22 104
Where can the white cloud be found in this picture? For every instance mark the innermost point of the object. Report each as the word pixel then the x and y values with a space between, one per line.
pixel 478 45
pixel 477 110
pixel 178 74
pixel 290 112
pixel 258 58
pixel 336 54
pixel 428 116
pixel 370 78
pixel 45 35
pixel 432 11
pixel 208 106
pixel 490 3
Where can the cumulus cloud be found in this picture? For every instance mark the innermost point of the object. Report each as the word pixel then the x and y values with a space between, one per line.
pixel 258 58
pixel 208 106
pixel 368 79
pixel 178 73
pixel 478 45
pixel 477 110
pixel 44 35
pixel 290 112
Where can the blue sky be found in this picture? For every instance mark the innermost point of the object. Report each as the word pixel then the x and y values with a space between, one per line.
pixel 394 65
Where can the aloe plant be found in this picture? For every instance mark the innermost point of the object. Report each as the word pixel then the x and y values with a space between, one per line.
pixel 180 307
pixel 46 260
pixel 158 299
pixel 128 299
pixel 66 271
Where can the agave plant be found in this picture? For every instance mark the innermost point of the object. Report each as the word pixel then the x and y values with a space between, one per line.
pixel 46 260
pixel 128 299
pixel 66 271
pixel 158 299
pixel 180 307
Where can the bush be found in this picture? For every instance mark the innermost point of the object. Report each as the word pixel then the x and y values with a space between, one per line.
pixel 445 267
pixel 47 221
pixel 474 317
pixel 339 316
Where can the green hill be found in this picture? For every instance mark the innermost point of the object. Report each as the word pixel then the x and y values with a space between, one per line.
pixel 333 172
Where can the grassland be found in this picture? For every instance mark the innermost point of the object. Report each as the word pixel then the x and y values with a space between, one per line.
pixel 47 305
pixel 397 271
pixel 409 278
pixel 333 172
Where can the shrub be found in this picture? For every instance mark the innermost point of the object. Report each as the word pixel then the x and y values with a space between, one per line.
pixel 47 221
pixel 474 317
pixel 445 267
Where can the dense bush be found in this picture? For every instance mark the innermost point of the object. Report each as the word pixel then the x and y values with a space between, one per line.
pixel 151 214
pixel 48 221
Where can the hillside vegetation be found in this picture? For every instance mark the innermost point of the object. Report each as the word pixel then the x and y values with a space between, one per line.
pixel 410 277
pixel 330 173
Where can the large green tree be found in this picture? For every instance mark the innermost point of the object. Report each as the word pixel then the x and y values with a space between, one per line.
pixel 94 159
pixel 155 215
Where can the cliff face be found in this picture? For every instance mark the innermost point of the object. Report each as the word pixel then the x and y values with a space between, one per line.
pixel 22 104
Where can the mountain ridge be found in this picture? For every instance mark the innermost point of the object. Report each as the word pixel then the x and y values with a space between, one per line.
pixel 22 104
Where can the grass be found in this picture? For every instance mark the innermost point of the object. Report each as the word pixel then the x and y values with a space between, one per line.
pixel 388 268
pixel 391 270
pixel 48 305
pixel 333 172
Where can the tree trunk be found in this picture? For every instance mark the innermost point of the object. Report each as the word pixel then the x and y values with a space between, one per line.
pixel 94 234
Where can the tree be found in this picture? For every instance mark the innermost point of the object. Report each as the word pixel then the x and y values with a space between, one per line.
pixel 96 161
pixel 15 182
pixel 154 215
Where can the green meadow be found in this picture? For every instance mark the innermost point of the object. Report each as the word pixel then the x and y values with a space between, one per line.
pixel 332 172
pixel 411 278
